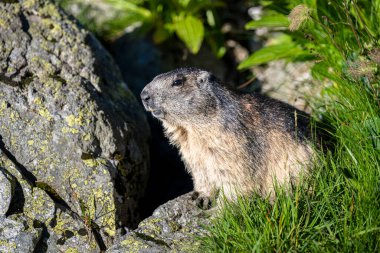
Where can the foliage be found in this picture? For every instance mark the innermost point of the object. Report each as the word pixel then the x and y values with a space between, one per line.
pixel 190 20
pixel 329 30
pixel 338 208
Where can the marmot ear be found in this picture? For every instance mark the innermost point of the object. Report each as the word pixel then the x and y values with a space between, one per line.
pixel 202 79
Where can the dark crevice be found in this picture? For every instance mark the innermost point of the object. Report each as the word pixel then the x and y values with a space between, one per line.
pixel 82 232
pixel 8 81
pixel 98 238
pixel 150 238
pixel 42 245
pixel 10 1
pixel 25 24
pixel 67 234
pixel 52 193
pixel 18 200
pixel 27 79
pixel 25 174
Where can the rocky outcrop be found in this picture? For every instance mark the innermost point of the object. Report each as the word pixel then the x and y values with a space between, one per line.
pixel 289 82
pixel 173 227
pixel 73 139
pixel 18 236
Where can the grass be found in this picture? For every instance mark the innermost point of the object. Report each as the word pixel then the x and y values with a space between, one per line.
pixel 338 208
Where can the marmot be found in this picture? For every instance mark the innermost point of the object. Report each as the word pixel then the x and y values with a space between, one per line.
pixel 230 142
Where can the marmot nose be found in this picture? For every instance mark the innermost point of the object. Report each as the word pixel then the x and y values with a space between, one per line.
pixel 145 96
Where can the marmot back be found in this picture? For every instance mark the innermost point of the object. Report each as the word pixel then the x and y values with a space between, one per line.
pixel 237 143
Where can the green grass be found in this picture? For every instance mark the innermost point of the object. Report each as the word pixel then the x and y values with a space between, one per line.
pixel 337 209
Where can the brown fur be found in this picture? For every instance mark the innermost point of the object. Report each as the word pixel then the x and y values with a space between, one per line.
pixel 230 142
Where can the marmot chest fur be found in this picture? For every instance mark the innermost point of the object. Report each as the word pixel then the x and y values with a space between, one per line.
pixel 236 143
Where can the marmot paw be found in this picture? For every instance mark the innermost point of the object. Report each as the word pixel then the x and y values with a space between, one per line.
pixel 202 201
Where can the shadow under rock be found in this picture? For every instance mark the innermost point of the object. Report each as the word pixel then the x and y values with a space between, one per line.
pixel 168 178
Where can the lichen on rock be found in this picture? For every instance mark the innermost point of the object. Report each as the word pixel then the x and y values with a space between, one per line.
pixel 69 123
pixel 173 227
pixel 18 236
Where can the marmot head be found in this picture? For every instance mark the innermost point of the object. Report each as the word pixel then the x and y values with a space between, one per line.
pixel 181 96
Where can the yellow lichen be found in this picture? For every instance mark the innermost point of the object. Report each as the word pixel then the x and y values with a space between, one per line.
pixel 7 244
pixel 75 121
pixel 110 232
pixel 2 23
pixel 72 250
pixel 14 115
pixel 95 162
pixel 29 3
pixel 50 9
pixel 45 113
pixel 70 120
pixel 100 208
pixel 133 245
pixel 43 146
pixel 30 142
pixel 91 162
pixel 3 105
pixel 66 130
pixel 10 69
pixel 86 137
pixel 37 101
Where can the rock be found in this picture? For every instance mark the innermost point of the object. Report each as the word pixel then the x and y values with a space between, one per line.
pixel 18 236
pixel 64 229
pixel 71 131
pixel 7 186
pixel 69 234
pixel 172 227
pixel 288 82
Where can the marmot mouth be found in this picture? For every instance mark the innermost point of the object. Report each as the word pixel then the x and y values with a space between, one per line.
pixel 158 113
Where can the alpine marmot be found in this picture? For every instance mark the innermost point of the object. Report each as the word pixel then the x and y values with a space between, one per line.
pixel 230 142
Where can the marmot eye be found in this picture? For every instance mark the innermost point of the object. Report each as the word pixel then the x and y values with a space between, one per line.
pixel 178 82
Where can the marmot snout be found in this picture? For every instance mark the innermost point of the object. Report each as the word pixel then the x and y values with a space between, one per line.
pixel 237 143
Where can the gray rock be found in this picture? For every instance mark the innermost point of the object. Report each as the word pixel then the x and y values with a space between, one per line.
pixel 288 82
pixel 172 228
pixel 7 186
pixel 18 236
pixel 64 229
pixel 72 133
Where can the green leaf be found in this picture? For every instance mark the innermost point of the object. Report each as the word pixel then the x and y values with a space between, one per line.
pixel 191 31
pixel 210 18
pixel 129 7
pixel 184 3
pixel 268 21
pixel 161 34
pixel 270 53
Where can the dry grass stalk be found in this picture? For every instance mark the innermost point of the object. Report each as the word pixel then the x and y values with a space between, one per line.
pixel 298 16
